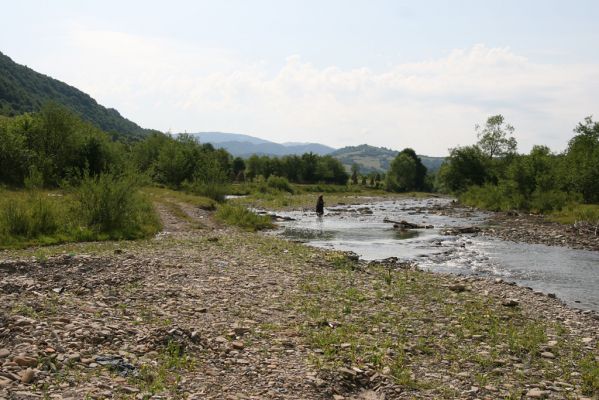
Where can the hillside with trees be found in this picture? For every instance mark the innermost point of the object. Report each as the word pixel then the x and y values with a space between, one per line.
pixel 377 159
pixel 24 90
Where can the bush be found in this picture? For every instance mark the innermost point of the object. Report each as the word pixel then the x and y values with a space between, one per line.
pixel 279 183
pixel 30 217
pixel 15 218
pixel 242 217
pixel 44 218
pixel 504 197
pixel 112 204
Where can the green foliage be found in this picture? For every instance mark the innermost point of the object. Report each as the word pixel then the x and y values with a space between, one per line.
pixel 54 143
pixel 111 204
pixel 309 168
pixel 465 166
pixel 493 138
pixel 15 218
pixel 505 197
pixel 492 176
pixel 279 183
pixel 406 173
pixel 581 162
pixel 590 375
pixel 242 217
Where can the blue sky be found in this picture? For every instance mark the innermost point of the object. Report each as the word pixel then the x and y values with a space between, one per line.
pixel 389 73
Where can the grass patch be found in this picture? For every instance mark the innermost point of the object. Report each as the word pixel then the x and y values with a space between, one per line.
pixel 573 213
pixel 407 324
pixel 164 195
pixel 164 375
pixel 242 217
pixel 105 208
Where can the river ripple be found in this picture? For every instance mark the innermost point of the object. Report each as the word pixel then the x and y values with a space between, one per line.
pixel 573 275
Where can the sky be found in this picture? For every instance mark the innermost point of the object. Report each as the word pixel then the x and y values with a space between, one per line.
pixel 397 74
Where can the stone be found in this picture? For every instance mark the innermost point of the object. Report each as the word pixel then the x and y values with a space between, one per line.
pixel 537 393
pixel 547 354
pixel 25 361
pixel 457 287
pixel 4 353
pixel 27 376
pixel 237 345
pixel 241 330
pixel 510 303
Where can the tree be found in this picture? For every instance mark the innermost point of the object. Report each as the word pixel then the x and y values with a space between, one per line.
pixel 465 166
pixel 582 161
pixel 406 172
pixel 494 138
pixel 355 171
pixel 237 168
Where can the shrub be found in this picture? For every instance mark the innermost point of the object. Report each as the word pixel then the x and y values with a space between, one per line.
pixel 279 183
pixel 242 217
pixel 15 218
pixel 30 216
pixel 112 204
pixel 44 218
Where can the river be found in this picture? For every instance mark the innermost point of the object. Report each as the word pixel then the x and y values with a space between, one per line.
pixel 572 275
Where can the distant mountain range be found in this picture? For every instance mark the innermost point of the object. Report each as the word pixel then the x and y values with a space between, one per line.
pixel 369 158
pixel 25 90
pixel 244 145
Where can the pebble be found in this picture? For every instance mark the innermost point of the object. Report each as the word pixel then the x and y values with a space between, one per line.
pixel 27 376
pixel 537 393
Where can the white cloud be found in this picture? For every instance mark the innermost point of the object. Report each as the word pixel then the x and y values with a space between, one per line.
pixel 430 105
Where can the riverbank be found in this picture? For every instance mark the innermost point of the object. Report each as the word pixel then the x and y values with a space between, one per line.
pixel 208 311
pixel 530 228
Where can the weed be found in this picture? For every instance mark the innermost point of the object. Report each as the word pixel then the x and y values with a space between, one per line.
pixel 242 217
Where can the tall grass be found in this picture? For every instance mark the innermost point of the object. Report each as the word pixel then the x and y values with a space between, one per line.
pixel 503 197
pixel 242 217
pixel 30 216
pixel 101 208
pixel 112 205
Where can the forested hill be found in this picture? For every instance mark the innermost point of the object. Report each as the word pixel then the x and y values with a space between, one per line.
pixel 25 90
pixel 377 159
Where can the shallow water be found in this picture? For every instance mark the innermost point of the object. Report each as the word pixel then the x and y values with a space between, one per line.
pixel 573 275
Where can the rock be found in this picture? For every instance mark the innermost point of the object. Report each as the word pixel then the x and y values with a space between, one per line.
pixel 457 287
pixel 537 393
pixel 510 303
pixel 241 330
pixel 27 376
pixel 237 345
pixel 547 354
pixel 25 361
pixel 4 353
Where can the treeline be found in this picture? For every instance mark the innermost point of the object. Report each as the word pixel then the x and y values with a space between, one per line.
pixel 491 174
pixel 307 168
pixel 58 148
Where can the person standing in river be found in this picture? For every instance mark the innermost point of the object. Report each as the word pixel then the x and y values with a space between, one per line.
pixel 320 206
